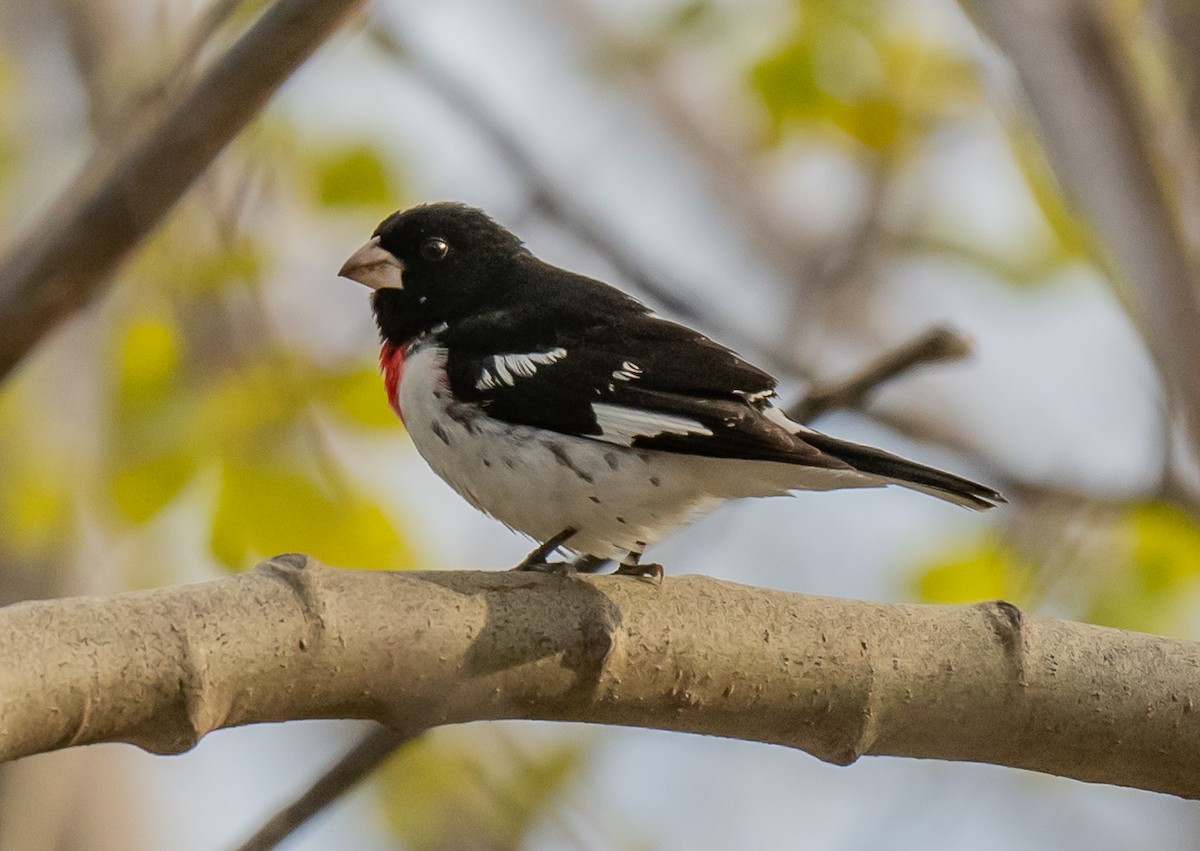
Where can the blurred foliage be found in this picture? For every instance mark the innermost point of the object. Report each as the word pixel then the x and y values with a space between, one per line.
pixel 1155 578
pixel 9 149
pixel 853 65
pixel 352 176
pixel 447 791
pixel 197 394
pixel 869 73
pixel 37 483
pixel 190 396
pixel 1141 572
pixel 982 570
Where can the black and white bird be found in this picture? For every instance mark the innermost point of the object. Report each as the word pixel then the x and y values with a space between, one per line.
pixel 570 411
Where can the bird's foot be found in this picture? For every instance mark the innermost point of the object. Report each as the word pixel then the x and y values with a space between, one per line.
pixel 651 571
pixel 632 566
pixel 536 560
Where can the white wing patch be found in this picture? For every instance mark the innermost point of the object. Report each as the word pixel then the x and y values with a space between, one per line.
pixel 622 425
pixel 760 396
pixel 506 369
pixel 777 416
pixel 628 371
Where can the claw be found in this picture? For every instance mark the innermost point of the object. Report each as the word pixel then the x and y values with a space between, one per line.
pixel 632 566
pixel 652 571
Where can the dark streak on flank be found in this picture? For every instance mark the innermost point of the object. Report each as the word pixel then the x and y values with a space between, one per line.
pixel 560 455
pixel 461 414
pixel 655 480
pixel 440 431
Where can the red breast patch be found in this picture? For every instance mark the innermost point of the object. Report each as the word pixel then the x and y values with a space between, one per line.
pixel 391 364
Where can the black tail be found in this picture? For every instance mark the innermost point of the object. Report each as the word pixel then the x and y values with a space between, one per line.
pixel 910 474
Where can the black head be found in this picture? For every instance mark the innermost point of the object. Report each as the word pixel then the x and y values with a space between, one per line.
pixel 432 264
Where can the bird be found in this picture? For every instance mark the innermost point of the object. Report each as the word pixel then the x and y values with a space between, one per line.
pixel 572 412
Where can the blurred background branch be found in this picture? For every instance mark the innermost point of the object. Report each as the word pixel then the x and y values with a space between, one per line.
pixel 127 187
pixel 1079 73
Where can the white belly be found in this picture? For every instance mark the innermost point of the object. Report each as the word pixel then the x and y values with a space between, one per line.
pixel 540 483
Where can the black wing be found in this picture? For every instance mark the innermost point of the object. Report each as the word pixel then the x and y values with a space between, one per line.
pixel 581 358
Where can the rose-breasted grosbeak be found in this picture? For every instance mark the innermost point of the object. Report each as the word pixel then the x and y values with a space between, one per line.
pixel 570 411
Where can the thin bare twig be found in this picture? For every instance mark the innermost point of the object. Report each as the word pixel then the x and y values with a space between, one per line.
pixel 937 345
pixel 65 258
pixel 372 751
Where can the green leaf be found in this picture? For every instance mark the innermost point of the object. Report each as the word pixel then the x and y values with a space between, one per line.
pixel 358 397
pixel 441 792
pixel 36 507
pixel 147 357
pixel 39 478
pixel 247 410
pixel 1155 577
pixel 239 262
pixel 264 509
pixel 352 176
pixel 851 66
pixel 984 569
pixel 141 488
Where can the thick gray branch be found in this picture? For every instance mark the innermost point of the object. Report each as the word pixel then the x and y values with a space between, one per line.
pixel 65 258
pixel 837 678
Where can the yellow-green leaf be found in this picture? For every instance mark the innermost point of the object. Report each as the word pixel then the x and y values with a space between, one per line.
pixel 1156 574
pixel 36 508
pixel 265 509
pixel 981 570
pixel 147 357
pixel 439 793
pixel 352 176
pixel 359 398
pixel 141 488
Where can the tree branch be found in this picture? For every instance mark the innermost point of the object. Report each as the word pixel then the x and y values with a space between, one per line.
pixel 1081 89
pixel 836 678
pixel 937 345
pixel 66 257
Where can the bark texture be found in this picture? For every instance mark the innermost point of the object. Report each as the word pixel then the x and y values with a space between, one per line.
pixel 837 678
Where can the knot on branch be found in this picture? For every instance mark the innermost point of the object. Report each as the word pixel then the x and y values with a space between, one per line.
pixel 296 571
pixel 1006 623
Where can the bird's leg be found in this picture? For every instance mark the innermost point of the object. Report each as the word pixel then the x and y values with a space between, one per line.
pixel 631 566
pixel 536 560
pixel 589 564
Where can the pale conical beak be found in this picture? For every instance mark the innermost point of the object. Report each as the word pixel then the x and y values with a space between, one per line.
pixel 374 266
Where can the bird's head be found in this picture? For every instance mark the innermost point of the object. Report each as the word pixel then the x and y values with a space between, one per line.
pixel 431 264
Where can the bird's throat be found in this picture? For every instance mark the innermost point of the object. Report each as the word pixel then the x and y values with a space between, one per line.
pixel 391 364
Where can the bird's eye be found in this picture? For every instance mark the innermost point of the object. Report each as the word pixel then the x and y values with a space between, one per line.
pixel 434 248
